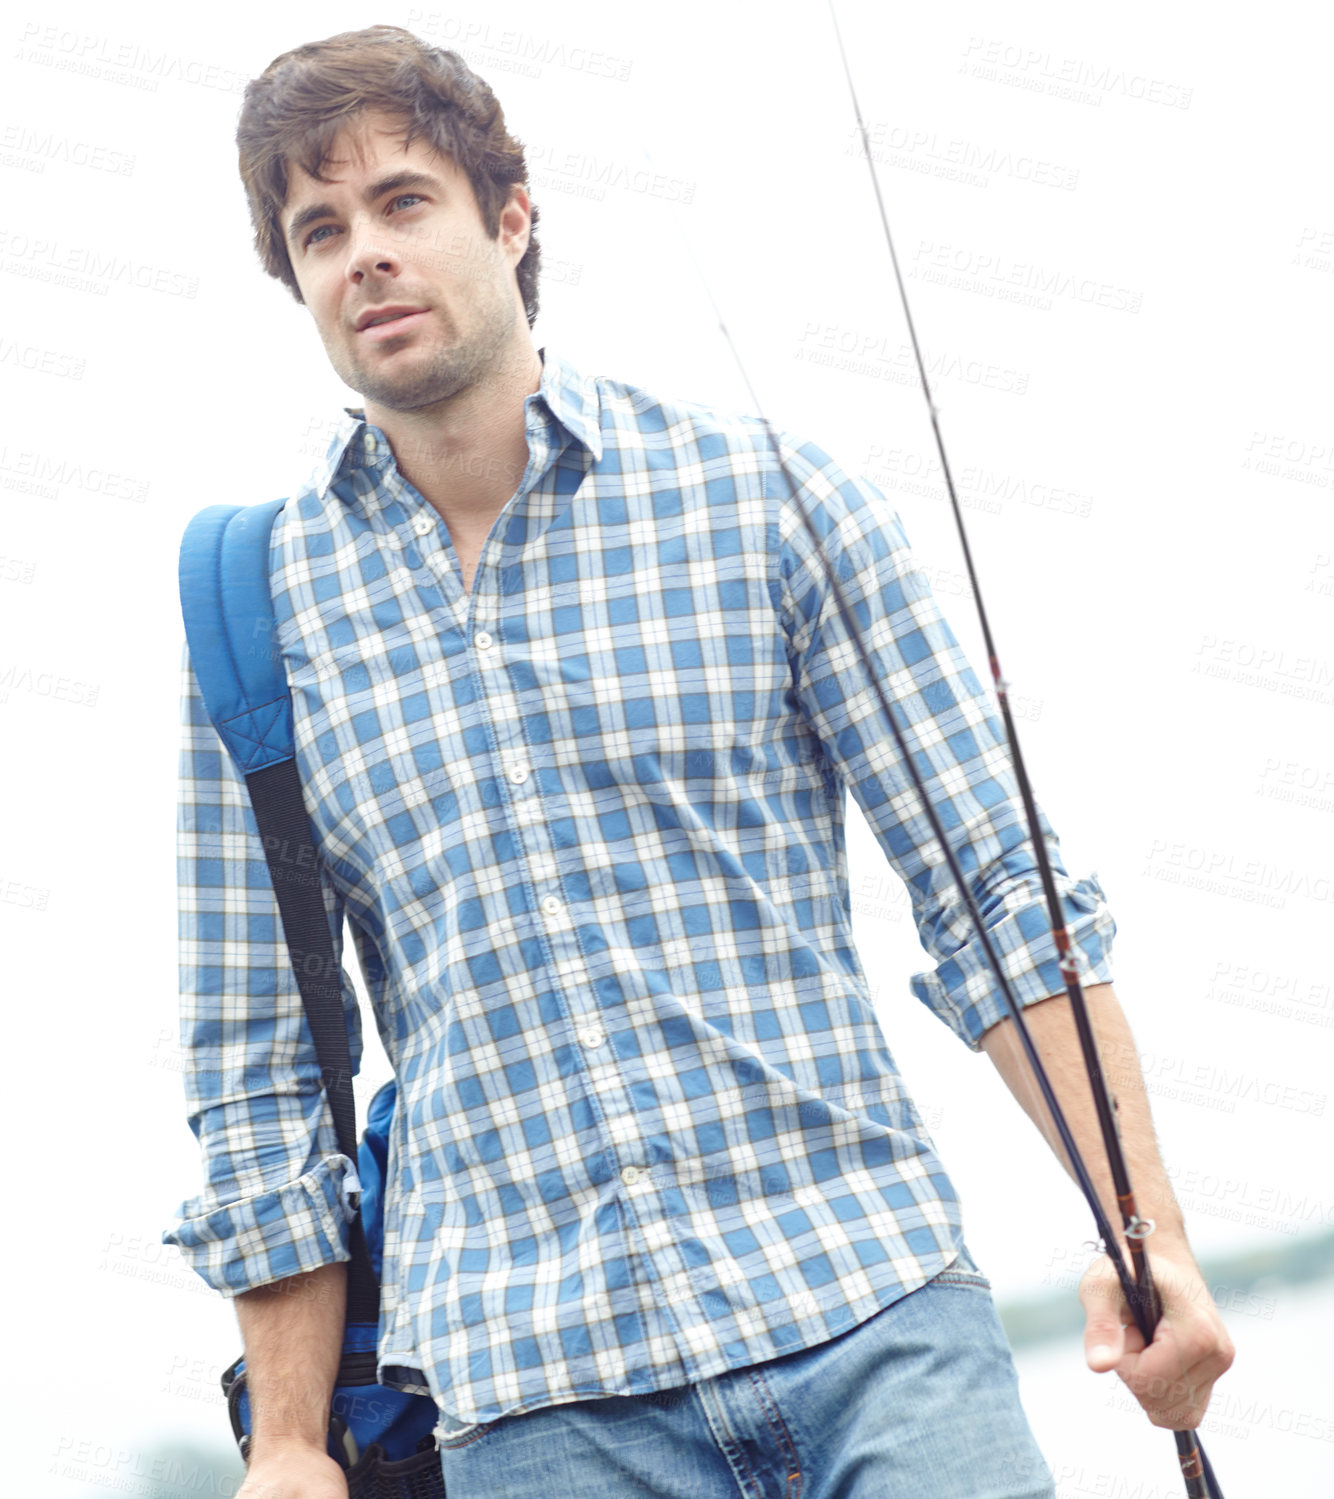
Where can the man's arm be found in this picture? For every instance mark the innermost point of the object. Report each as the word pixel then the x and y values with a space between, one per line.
pixel 1174 1377
pixel 270 1224
pixel 883 604
pixel 275 1200
pixel 293 1334
pixel 830 527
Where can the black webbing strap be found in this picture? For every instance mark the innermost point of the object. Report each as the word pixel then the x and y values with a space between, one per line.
pixel 284 827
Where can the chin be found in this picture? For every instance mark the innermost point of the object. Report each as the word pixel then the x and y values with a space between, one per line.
pixel 409 394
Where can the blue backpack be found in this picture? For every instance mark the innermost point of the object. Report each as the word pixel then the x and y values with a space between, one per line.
pixel 383 1437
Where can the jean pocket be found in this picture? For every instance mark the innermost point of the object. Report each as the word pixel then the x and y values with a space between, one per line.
pixel 454 1434
pixel 963 1272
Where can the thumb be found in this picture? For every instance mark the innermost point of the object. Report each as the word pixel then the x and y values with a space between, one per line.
pixel 1104 1336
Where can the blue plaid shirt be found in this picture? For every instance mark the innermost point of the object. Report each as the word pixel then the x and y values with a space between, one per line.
pixel 587 826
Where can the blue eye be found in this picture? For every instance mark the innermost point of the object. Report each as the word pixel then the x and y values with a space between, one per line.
pixel 313 238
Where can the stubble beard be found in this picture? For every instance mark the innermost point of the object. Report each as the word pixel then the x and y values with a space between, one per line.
pixel 431 375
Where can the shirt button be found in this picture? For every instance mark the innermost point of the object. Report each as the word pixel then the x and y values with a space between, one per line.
pixel 483 641
pixel 519 774
pixel 423 524
pixel 550 904
pixel 592 1036
pixel 631 1175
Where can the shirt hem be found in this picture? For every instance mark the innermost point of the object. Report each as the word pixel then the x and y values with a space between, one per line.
pixel 861 1311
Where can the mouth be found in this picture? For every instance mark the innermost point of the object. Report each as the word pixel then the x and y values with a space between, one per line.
pixel 380 323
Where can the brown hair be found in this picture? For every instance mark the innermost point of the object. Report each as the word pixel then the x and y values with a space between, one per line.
pixel 301 101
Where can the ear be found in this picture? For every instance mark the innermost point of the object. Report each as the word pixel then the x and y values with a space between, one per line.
pixel 516 224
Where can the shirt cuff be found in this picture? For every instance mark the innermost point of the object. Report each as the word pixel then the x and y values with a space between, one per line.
pixel 963 991
pixel 271 1235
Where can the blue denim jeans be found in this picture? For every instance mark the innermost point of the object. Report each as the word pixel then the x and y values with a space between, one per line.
pixel 918 1401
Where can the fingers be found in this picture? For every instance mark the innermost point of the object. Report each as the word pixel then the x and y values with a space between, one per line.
pixel 1174 1376
pixel 1176 1403
pixel 1104 1305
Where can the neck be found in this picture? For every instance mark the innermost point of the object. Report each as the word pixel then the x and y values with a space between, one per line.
pixel 467 454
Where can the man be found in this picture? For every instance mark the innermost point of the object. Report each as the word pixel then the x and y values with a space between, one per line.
pixel 575 709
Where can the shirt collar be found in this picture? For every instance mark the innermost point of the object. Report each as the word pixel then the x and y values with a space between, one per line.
pixel 569 396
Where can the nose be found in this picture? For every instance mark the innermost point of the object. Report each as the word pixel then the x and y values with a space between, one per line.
pixel 369 253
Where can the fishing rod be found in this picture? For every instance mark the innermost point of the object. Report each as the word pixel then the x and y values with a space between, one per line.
pixel 1142 1296
pixel 1137 1287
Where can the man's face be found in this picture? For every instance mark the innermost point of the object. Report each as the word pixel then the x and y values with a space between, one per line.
pixel 397 231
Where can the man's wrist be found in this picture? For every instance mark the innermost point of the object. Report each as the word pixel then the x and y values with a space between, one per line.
pixel 267 1445
pixel 1168 1239
pixel 291 1426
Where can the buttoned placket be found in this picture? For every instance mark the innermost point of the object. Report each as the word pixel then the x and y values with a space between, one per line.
pixel 423 544
pixel 531 806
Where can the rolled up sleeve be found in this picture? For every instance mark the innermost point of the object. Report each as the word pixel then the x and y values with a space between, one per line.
pixel 831 523
pixel 277 1194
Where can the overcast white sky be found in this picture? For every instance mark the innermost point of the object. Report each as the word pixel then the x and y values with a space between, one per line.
pixel 1119 237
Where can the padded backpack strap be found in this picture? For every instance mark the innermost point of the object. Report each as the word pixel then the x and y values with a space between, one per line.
pixel 233 640
pixel 232 634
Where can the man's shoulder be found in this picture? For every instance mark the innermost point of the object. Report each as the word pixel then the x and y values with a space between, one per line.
pixel 651 406
pixel 718 429
pixel 630 411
